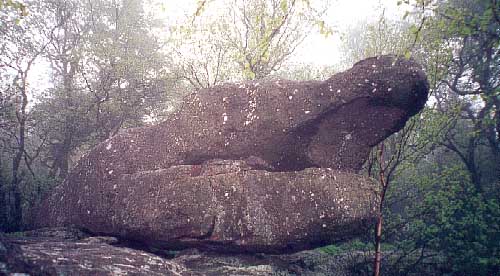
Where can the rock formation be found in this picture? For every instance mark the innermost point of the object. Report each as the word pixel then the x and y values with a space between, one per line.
pixel 69 252
pixel 64 251
pixel 246 167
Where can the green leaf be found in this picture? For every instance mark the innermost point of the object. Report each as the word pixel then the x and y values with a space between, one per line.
pixel 407 54
pixel 284 6
pixel 413 29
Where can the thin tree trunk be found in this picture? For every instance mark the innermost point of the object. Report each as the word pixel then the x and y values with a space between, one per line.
pixel 3 210
pixel 16 213
pixel 378 240
pixel 378 231
pixel 16 210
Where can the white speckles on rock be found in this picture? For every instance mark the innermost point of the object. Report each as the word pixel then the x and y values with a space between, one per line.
pixel 389 89
pixel 374 90
pixel 224 118
pixel 307 111
pixel 110 172
pixel 109 146
pixel 290 97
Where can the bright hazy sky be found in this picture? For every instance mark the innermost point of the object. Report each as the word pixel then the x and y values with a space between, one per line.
pixel 316 49
pixel 344 13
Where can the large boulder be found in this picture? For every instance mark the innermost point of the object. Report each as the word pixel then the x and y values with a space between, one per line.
pixel 246 167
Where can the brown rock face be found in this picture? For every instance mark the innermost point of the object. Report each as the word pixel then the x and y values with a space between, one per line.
pixel 223 207
pixel 246 167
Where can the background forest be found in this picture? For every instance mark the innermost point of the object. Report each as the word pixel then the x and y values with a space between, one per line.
pixel 108 65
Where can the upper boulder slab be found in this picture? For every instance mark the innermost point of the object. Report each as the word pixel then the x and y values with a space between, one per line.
pixel 287 124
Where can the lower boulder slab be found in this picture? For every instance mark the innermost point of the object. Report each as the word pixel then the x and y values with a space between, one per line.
pixel 221 205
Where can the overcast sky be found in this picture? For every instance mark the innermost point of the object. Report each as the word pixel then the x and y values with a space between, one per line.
pixel 321 50
pixel 316 49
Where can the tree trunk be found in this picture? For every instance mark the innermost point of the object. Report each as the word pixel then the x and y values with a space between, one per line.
pixel 16 212
pixel 378 241
pixel 378 231
pixel 3 211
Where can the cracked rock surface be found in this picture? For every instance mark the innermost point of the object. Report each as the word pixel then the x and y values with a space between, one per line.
pixel 66 251
pixel 250 167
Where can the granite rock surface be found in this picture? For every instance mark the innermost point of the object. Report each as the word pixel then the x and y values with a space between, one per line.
pixel 250 167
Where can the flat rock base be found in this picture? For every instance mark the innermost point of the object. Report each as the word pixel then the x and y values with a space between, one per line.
pixel 64 251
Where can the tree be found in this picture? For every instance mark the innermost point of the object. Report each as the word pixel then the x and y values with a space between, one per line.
pixel 470 31
pixel 458 72
pixel 110 74
pixel 382 37
pixel 250 40
pixel 107 73
pixel 21 47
